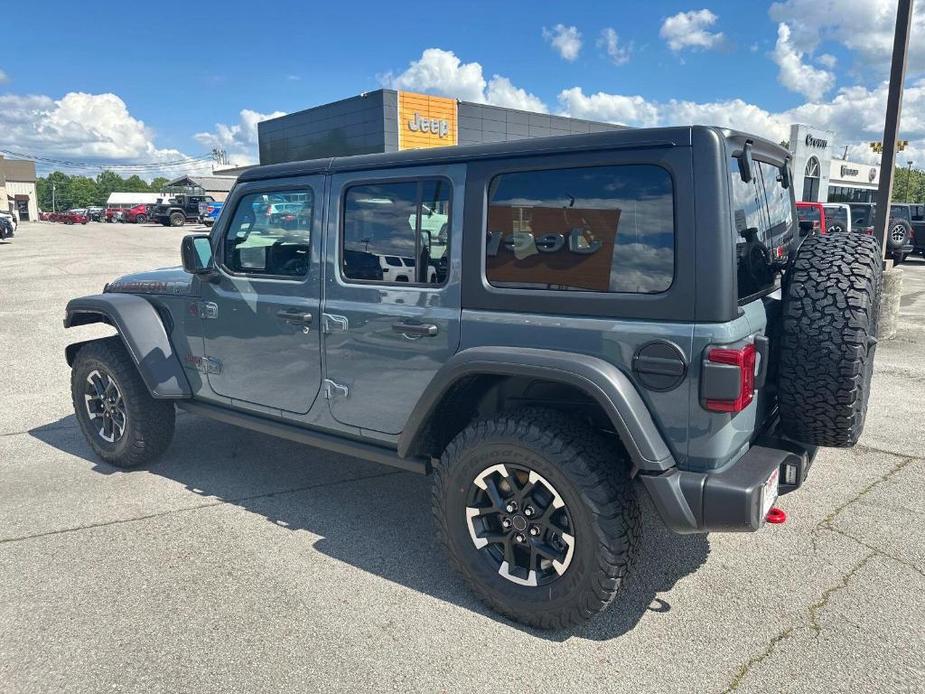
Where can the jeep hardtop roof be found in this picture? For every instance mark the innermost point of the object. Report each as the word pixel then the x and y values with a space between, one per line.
pixel 612 139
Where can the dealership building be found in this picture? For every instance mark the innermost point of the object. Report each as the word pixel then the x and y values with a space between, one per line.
pixel 820 176
pixel 387 120
pixel 17 188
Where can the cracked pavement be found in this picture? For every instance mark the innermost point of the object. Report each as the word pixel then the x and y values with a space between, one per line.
pixel 244 563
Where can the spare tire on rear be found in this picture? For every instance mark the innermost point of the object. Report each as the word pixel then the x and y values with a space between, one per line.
pixel 831 305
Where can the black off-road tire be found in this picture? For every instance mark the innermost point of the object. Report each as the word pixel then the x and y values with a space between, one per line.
pixel 592 478
pixel 177 219
pixel 898 233
pixel 149 424
pixel 828 338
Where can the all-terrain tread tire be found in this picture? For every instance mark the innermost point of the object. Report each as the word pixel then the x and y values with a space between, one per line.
pixel 150 423
pixel 828 338
pixel 593 474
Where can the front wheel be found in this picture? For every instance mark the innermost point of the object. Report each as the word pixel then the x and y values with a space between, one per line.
pixel 177 219
pixel 539 516
pixel 123 424
pixel 140 219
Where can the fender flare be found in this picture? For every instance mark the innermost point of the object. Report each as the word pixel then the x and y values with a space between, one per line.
pixel 142 331
pixel 600 380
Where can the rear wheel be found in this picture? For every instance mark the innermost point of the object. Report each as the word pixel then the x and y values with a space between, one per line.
pixel 177 219
pixel 123 424
pixel 538 515
pixel 141 219
pixel 828 338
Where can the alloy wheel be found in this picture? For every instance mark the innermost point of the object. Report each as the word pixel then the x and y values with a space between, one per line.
pixel 898 233
pixel 105 406
pixel 520 524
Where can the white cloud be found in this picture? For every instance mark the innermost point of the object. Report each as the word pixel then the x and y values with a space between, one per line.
pixel 613 108
pixel 238 140
pixel 566 40
pixel 502 93
pixel 610 42
pixel 864 27
pixel 92 129
pixel 689 30
pixel 827 60
pixel 441 72
pixel 4 78
pixel 794 73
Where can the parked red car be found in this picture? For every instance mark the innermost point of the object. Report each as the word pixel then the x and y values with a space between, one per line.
pixel 812 218
pixel 138 214
pixel 73 217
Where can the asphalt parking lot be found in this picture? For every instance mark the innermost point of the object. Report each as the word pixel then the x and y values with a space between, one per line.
pixel 244 563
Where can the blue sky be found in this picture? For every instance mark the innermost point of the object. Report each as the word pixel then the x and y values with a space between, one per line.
pixel 193 71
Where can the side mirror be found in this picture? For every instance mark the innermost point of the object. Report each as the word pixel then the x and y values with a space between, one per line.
pixel 196 253
pixel 746 163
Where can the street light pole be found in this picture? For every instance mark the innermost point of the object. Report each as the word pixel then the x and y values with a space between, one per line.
pixel 891 127
pixel 53 197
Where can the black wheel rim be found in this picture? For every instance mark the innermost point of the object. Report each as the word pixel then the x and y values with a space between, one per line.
pixel 105 406
pixel 520 524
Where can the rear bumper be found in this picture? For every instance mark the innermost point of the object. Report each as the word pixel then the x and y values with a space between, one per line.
pixel 729 499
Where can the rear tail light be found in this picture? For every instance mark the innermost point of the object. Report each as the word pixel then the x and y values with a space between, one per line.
pixel 869 231
pixel 744 359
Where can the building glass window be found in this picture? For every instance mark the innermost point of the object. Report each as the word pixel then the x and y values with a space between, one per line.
pixel 811 180
pixel 397 232
pixel 600 229
pixel 270 234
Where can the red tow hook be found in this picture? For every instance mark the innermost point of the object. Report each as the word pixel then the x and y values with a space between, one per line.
pixel 777 516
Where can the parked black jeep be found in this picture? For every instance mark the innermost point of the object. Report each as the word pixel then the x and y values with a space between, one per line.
pixel 179 209
pixel 575 320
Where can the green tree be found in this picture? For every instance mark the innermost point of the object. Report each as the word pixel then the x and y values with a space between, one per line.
pixel 157 185
pixel 108 182
pixel 135 184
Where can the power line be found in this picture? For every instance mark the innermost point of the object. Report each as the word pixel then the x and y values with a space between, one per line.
pixel 148 166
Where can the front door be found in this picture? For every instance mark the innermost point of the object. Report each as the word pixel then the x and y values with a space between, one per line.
pixel 261 314
pixel 392 294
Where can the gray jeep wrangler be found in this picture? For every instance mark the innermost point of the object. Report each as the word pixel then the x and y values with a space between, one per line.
pixel 549 326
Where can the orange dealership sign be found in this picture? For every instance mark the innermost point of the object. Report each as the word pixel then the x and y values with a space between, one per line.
pixel 426 121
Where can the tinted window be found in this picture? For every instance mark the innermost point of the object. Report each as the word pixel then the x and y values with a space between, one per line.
pixel 270 234
pixel 809 214
pixel 763 216
pixel 604 229
pixel 836 215
pixel 388 227
pixel 900 212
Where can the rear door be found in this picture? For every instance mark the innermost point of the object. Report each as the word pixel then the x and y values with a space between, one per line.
pixel 261 315
pixel 392 290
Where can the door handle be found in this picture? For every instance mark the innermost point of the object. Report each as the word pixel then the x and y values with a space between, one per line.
pixel 413 328
pixel 295 316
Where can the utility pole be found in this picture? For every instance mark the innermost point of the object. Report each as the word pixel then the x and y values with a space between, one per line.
pixel 893 111
pixel 53 197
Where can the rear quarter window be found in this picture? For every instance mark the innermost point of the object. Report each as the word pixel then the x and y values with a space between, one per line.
pixel 763 215
pixel 595 229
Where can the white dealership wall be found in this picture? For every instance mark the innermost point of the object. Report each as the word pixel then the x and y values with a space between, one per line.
pixel 808 143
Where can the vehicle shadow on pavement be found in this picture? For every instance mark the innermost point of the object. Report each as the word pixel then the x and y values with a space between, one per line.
pixel 372 517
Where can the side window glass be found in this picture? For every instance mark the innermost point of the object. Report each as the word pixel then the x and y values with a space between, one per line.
pixel 600 229
pixel 397 232
pixel 270 234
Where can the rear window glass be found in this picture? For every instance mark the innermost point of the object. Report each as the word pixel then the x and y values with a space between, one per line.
pixel 809 214
pixel 600 229
pixel 861 215
pixel 763 212
pixel 836 215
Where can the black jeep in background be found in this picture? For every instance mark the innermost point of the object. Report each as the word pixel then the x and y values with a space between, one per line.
pixel 179 209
